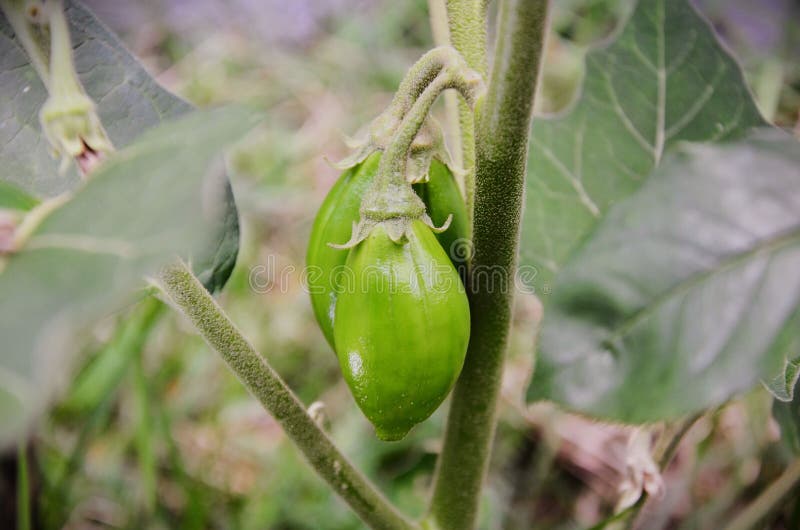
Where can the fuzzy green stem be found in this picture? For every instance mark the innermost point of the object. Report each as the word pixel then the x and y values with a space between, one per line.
pixel 32 39
pixel 502 142
pixel 395 158
pixel 391 196
pixel 467 31
pixel 770 500
pixel 420 75
pixel 188 294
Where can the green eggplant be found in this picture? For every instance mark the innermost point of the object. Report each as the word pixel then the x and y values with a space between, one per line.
pixel 340 209
pixel 402 328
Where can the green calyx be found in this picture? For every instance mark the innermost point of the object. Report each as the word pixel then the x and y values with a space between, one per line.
pixel 428 145
pixel 394 207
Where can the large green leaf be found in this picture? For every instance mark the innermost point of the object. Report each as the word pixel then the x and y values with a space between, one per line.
pixel 688 291
pixel 129 102
pixel 88 256
pixel 664 79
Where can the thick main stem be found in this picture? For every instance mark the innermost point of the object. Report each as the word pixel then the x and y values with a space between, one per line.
pixel 501 149
pixel 266 385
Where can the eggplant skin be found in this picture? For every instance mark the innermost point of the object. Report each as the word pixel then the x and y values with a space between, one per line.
pixel 334 224
pixel 340 209
pixel 401 329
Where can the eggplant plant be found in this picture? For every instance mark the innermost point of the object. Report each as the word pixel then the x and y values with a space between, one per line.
pixel 658 217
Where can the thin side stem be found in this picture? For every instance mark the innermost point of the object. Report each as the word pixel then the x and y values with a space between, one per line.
pixel 420 75
pixel 23 488
pixel 145 452
pixel 265 384
pixel 501 149
pixel 769 501
pixel 466 21
pixel 395 159
pixel 390 196
pixel 437 13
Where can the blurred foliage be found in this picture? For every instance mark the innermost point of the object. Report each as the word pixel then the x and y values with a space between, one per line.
pixel 210 456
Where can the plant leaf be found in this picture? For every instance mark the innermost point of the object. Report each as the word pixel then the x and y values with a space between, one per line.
pixel 663 80
pixel 88 256
pixel 129 102
pixel 13 198
pixel 782 385
pixel 688 291
pixel 787 414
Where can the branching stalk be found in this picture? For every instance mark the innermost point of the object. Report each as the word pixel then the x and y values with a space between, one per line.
pixel 458 76
pixel 390 197
pixel 421 74
pixel 501 149
pixel 188 294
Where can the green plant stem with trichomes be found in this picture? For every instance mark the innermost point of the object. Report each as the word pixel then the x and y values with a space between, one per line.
pixel 191 298
pixel 454 75
pixel 421 74
pixel 501 151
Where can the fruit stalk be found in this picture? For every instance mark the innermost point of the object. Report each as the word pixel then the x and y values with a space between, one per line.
pixel 391 178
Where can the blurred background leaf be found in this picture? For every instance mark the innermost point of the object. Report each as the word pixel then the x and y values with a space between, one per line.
pixel 687 293
pixel 129 101
pixel 787 414
pixel 145 205
pixel 664 79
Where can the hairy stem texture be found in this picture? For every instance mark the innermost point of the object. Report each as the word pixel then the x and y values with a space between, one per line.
pixel 501 151
pixel 188 294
